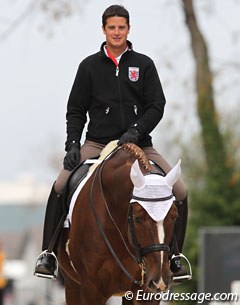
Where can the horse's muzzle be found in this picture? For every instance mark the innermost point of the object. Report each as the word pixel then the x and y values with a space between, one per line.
pixel 157 286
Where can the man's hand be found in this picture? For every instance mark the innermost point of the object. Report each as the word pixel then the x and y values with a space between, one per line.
pixel 132 135
pixel 72 157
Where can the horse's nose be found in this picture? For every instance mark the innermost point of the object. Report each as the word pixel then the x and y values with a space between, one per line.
pixel 158 286
pixel 161 285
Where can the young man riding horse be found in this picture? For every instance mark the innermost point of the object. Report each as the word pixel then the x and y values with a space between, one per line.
pixel 121 92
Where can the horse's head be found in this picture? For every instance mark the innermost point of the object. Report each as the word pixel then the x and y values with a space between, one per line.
pixel 151 224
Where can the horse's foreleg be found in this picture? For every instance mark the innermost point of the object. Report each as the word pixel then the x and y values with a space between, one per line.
pixel 72 293
pixel 92 295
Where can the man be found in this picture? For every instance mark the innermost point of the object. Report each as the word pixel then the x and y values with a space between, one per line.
pixel 121 92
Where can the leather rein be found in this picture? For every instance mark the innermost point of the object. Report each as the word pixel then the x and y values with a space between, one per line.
pixel 140 251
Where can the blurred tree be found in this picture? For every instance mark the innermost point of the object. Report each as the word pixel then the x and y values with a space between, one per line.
pixel 216 191
pixel 53 11
pixel 213 142
pixel 17 21
pixel 58 9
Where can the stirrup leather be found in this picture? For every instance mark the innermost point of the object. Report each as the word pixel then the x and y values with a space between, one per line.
pixel 184 277
pixel 46 253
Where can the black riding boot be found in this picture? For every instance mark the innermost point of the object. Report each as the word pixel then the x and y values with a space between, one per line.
pixel 46 265
pixel 180 273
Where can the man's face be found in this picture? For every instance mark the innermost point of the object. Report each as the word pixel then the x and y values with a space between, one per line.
pixel 116 31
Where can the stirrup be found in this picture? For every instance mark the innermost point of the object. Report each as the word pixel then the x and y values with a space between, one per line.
pixel 183 277
pixel 48 276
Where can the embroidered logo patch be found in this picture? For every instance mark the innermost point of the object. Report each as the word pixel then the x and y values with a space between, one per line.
pixel 133 73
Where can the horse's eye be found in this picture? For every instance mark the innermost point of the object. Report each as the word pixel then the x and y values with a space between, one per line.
pixel 137 219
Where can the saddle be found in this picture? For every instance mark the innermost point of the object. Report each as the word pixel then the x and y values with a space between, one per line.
pixel 76 177
pixel 81 171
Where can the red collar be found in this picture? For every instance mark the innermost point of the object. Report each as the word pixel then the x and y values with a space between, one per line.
pixel 112 57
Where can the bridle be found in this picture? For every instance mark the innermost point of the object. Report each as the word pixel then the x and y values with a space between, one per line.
pixel 140 252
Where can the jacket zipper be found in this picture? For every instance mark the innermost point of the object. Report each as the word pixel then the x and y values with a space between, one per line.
pixel 107 110
pixel 135 109
pixel 120 98
pixel 113 59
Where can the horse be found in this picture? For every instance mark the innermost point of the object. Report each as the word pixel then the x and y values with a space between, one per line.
pixel 113 245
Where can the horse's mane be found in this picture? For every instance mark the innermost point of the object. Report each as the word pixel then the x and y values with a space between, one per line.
pixel 138 154
pixel 134 151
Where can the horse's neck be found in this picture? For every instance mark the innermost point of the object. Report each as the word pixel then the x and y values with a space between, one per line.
pixel 119 192
pixel 117 177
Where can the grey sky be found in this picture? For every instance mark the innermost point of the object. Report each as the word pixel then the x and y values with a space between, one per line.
pixel 37 71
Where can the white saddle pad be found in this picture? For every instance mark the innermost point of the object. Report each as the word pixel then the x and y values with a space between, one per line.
pixel 78 190
pixel 104 153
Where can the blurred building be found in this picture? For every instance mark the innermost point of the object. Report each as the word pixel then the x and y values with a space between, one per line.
pixel 219 262
pixel 22 208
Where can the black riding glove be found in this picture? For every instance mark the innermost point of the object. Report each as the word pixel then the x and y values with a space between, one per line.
pixel 132 135
pixel 72 157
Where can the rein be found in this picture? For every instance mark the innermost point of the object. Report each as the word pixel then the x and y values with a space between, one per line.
pixel 100 227
pixel 140 252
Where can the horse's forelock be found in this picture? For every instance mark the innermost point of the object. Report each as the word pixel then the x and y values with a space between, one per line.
pixel 138 154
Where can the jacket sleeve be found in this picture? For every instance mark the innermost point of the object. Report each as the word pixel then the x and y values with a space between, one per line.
pixel 78 105
pixel 153 99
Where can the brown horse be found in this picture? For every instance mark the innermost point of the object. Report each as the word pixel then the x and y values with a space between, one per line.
pixel 113 244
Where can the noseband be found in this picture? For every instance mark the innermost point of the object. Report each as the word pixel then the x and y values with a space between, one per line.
pixel 140 252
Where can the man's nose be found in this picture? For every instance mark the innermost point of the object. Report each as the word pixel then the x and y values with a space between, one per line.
pixel 116 31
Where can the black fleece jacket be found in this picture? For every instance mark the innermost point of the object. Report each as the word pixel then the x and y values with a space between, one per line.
pixel 114 98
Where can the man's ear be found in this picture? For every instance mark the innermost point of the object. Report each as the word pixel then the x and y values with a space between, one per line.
pixel 104 32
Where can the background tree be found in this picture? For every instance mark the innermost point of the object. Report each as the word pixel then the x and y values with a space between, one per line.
pixel 53 11
pixel 216 192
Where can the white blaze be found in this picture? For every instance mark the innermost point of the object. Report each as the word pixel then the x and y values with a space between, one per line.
pixel 161 238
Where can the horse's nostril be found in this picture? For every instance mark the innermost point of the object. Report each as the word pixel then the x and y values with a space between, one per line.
pixel 157 286
pixel 162 286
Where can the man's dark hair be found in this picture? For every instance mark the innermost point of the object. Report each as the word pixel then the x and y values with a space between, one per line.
pixel 115 10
